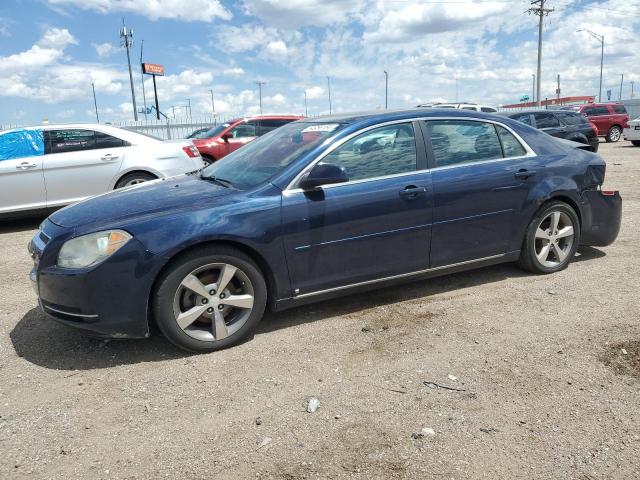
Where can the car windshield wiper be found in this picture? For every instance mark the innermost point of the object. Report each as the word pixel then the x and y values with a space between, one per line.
pixel 221 181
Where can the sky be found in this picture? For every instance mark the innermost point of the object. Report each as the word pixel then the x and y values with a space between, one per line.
pixel 52 50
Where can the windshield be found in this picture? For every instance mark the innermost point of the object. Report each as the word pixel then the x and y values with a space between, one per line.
pixel 268 155
pixel 212 132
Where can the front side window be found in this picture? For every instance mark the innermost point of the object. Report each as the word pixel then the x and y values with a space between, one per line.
pixel 546 120
pixel 62 141
pixel 382 151
pixel 268 155
pixel 488 109
pixel 21 144
pixel 597 111
pixel 456 142
pixel 266 125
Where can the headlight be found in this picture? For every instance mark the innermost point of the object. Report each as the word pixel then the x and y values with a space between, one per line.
pixel 91 249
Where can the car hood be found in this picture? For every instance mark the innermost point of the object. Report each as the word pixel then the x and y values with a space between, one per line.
pixel 184 192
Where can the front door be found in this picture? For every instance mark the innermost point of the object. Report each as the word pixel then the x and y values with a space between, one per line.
pixel 21 176
pixel 375 226
pixel 79 163
pixel 481 179
pixel 240 135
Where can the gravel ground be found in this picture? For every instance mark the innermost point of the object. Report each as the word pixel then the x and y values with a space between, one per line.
pixel 543 387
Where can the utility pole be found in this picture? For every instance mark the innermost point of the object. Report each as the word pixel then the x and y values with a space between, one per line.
pixel 213 108
pixel 144 97
pixel 95 104
pixel 539 10
pixel 601 39
pixel 189 107
pixel 260 84
pixel 329 90
pixel 386 90
pixel 126 38
pixel 621 80
pixel 533 88
pixel 558 89
pixel 632 95
pixel 306 114
pixel 456 77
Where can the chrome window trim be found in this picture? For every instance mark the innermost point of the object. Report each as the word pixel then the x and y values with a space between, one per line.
pixel 292 188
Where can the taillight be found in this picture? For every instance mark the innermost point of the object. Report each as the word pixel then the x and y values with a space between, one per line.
pixel 608 193
pixel 595 128
pixel 191 151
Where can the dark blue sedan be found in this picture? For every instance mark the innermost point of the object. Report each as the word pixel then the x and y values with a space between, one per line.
pixel 320 208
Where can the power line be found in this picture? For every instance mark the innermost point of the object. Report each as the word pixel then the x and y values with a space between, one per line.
pixel 539 10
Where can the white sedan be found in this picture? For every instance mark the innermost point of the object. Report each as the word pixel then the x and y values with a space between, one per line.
pixel 632 132
pixel 51 166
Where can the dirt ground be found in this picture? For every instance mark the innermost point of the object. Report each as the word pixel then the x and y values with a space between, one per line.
pixel 543 386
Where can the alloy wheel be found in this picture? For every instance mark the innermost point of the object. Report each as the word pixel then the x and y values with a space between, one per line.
pixel 554 239
pixel 213 302
pixel 614 134
pixel 135 181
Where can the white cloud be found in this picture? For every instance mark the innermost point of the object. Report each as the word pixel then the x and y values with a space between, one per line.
pixel 192 10
pixel 277 49
pixel 244 38
pixel 46 51
pixel 233 72
pixel 314 92
pixel 65 114
pixel 277 99
pixel 104 49
pixel 293 14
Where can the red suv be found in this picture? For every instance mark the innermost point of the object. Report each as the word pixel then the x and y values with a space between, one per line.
pixel 224 139
pixel 609 118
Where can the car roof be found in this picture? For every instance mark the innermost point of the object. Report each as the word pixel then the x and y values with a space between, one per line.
pixel 391 115
pixel 541 110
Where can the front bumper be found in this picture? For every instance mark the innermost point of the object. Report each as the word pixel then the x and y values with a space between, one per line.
pixel 601 219
pixel 109 300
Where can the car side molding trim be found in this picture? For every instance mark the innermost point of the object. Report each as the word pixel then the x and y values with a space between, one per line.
pixel 402 275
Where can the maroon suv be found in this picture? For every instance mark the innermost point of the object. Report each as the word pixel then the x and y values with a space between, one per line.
pixel 609 118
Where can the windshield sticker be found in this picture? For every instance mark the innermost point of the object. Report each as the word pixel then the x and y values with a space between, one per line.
pixel 323 127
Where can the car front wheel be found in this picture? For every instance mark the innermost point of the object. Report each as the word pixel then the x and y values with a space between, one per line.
pixel 614 134
pixel 209 299
pixel 635 143
pixel 551 239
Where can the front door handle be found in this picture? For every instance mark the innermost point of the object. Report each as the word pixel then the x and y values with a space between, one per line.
pixel 524 173
pixel 411 191
pixel 26 166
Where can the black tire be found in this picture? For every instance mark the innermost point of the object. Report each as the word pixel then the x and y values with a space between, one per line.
pixel 135 178
pixel 635 143
pixel 614 134
pixel 163 298
pixel 528 259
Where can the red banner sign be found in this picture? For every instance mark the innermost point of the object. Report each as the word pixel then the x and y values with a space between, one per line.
pixel 153 69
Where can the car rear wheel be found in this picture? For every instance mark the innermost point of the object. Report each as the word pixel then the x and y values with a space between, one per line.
pixel 635 143
pixel 614 134
pixel 551 240
pixel 134 179
pixel 210 299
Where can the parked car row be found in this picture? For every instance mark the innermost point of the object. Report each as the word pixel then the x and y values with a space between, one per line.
pixel 315 209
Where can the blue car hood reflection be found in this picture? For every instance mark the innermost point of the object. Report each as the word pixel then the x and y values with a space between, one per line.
pixel 185 192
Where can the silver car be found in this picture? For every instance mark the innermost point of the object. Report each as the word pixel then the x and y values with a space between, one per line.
pixel 50 166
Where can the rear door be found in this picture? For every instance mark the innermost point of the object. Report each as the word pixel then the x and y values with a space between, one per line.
pixel 79 163
pixel 481 178
pixel 268 124
pixel 21 174
pixel 600 116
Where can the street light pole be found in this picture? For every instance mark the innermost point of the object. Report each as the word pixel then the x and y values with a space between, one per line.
pixel 126 36
pixel 533 88
pixel 95 104
pixel 601 39
pixel 260 84
pixel 329 89
pixel 621 80
pixel 386 90
pixel 306 114
pixel 213 107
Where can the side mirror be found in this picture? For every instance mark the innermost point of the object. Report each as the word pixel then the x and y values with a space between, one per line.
pixel 227 136
pixel 323 174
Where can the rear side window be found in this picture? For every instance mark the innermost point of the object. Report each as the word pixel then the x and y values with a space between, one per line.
pixel 546 120
pixel 104 140
pixel 488 109
pixel 511 147
pixel 61 141
pixel 619 109
pixel 469 108
pixel 455 142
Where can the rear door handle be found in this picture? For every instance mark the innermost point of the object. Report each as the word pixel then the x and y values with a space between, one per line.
pixel 26 166
pixel 524 173
pixel 108 157
pixel 411 191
